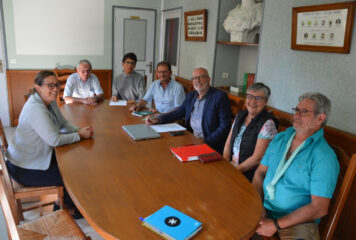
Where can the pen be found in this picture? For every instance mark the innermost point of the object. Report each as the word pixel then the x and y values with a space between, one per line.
pixel 142 219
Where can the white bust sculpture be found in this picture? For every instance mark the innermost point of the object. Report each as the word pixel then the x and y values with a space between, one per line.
pixel 243 22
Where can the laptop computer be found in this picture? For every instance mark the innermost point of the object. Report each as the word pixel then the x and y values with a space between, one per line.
pixel 140 131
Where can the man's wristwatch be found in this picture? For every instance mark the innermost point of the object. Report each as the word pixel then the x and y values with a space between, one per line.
pixel 275 221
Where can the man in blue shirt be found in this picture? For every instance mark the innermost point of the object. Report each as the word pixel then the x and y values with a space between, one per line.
pixel 83 86
pixel 206 110
pixel 298 174
pixel 166 92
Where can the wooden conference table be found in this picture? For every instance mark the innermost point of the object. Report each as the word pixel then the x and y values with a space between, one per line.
pixel 114 180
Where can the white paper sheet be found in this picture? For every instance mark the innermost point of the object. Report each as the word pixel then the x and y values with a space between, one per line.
pixel 170 127
pixel 118 103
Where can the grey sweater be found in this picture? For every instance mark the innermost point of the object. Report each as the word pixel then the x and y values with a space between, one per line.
pixel 39 130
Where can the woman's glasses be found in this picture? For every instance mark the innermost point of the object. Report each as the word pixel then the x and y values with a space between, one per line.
pixel 51 86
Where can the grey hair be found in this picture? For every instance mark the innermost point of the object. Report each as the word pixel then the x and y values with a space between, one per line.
pixel 322 103
pixel 84 62
pixel 258 86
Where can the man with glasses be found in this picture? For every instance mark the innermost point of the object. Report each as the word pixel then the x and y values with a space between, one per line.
pixel 129 85
pixel 298 174
pixel 83 86
pixel 206 110
pixel 166 92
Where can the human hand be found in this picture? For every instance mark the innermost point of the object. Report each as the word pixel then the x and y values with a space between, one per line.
pixel 90 100
pixel 152 120
pixel 153 110
pixel 266 228
pixel 86 132
pixel 134 108
pixel 114 98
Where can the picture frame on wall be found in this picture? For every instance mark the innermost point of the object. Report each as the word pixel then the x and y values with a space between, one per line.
pixel 195 25
pixel 323 28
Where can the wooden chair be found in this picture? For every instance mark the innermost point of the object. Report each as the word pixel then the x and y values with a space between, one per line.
pixel 29 93
pixel 57 225
pixel 284 123
pixel 47 195
pixel 62 76
pixel 4 143
pixel 347 173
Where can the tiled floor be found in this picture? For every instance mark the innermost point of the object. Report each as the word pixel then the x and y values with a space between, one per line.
pixel 83 224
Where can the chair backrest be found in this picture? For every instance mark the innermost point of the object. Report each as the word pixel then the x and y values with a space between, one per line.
pixel 346 176
pixel 4 144
pixel 62 76
pixel 8 203
pixel 29 93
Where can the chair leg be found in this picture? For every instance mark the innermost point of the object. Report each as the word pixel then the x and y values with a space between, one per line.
pixel 19 209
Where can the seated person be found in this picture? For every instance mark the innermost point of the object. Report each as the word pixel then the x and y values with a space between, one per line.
pixel 32 161
pixel 206 110
pixel 83 86
pixel 251 132
pixel 129 85
pixel 166 92
pixel 298 173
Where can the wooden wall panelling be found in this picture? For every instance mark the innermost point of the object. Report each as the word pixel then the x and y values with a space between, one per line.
pixel 20 81
pixel 105 77
pixel 18 84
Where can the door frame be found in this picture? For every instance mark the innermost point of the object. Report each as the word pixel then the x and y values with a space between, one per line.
pixel 5 96
pixel 113 37
pixel 162 34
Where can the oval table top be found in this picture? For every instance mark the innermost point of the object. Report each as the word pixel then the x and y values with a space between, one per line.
pixel 114 180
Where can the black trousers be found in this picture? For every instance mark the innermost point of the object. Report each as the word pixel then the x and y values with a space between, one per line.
pixel 40 178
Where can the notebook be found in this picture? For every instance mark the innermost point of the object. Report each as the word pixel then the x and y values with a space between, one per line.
pixel 140 131
pixel 172 224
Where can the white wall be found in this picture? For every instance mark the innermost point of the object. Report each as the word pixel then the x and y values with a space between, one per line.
pixel 290 73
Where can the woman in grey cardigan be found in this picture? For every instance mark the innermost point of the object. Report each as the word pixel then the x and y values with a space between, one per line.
pixel 42 127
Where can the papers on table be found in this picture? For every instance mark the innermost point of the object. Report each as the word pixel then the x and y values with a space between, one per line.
pixel 170 127
pixel 118 103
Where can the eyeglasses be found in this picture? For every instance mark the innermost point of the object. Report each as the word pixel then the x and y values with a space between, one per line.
pixel 131 63
pixel 201 77
pixel 51 86
pixel 301 111
pixel 162 72
pixel 252 97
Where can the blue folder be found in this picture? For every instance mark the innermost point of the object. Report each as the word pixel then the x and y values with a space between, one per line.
pixel 172 224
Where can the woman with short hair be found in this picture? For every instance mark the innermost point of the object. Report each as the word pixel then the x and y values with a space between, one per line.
pixel 251 132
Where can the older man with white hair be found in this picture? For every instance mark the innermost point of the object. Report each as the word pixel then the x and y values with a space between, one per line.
pixel 83 86
pixel 298 173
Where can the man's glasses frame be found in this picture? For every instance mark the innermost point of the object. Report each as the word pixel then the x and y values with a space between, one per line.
pixel 201 77
pixel 301 111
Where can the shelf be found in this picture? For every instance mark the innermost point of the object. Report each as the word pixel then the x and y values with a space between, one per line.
pixel 238 43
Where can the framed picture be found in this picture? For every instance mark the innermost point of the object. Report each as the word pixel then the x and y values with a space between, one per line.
pixel 195 25
pixel 323 28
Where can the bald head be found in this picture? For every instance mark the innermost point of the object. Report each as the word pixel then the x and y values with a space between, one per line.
pixel 201 81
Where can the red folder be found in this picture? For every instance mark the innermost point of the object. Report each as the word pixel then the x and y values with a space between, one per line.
pixel 191 152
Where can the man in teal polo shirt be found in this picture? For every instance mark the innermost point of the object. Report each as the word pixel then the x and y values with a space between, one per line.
pixel 298 174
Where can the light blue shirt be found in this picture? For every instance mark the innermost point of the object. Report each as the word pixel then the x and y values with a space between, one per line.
pixel 197 116
pixel 168 99
pixel 314 171
pixel 75 87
